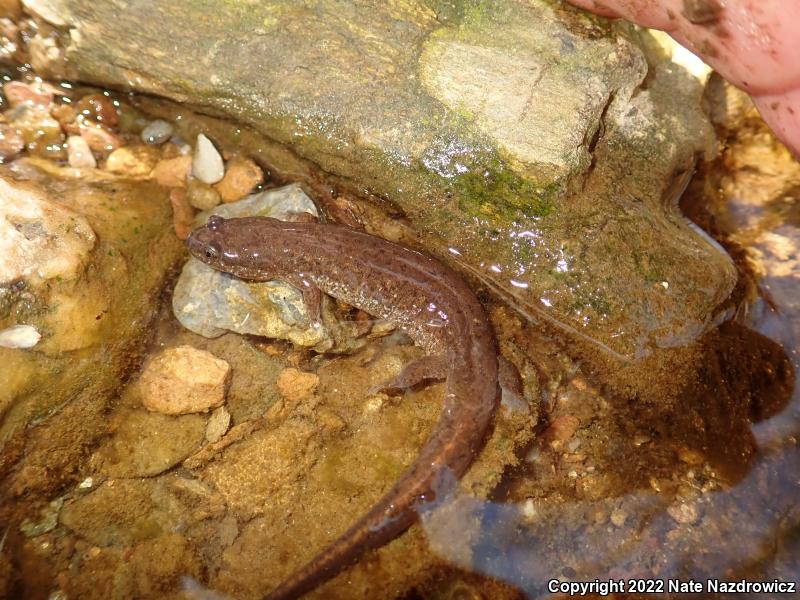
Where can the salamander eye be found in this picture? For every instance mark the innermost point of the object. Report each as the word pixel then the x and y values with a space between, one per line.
pixel 214 222
pixel 212 251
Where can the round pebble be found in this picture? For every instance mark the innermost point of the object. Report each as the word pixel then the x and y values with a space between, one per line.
pixel 184 380
pixel 157 132
pixel 241 176
pixel 561 429
pixel 207 165
pixel 201 195
pixel 79 154
pixel 295 385
pixel 132 161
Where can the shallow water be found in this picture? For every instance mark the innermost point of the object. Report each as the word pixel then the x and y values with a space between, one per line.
pixel 607 487
pixel 654 503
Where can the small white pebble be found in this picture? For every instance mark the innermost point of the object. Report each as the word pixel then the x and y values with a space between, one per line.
pixel 19 336
pixel 86 483
pixel 79 154
pixel 156 133
pixel 528 509
pixel 207 165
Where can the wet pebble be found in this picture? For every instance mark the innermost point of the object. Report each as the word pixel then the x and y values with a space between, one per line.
pixel 241 176
pixel 528 509
pixel 99 138
pixel 19 336
pixel 17 92
pixel 329 421
pixel 157 132
pixel 295 385
pixel 79 154
pixel 684 513
pixel 218 424
pixel 375 403
pixel 207 165
pixel 561 429
pixel 144 444
pixel 99 108
pixel 133 161
pixel 65 114
pixel 201 195
pixel 41 132
pixel 39 238
pixel 173 172
pixel 48 520
pixel 11 141
pixel 184 380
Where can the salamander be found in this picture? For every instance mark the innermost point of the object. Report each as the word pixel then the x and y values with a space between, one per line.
pixel 423 297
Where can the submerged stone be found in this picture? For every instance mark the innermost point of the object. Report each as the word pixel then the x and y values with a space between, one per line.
pixel 209 303
pixel 144 444
pixel 184 380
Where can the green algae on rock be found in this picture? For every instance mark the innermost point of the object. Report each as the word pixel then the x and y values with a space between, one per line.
pixel 529 143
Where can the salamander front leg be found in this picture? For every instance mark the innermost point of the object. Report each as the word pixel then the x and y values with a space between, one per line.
pixel 312 297
pixel 417 372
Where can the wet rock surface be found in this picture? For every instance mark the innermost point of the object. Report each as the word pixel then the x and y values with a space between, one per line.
pixel 532 145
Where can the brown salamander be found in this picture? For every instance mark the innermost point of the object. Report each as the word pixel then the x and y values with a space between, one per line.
pixel 422 296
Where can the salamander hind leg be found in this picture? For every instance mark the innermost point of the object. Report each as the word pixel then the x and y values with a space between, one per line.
pixel 423 370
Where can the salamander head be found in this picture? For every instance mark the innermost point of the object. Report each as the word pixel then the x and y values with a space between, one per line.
pixel 231 245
